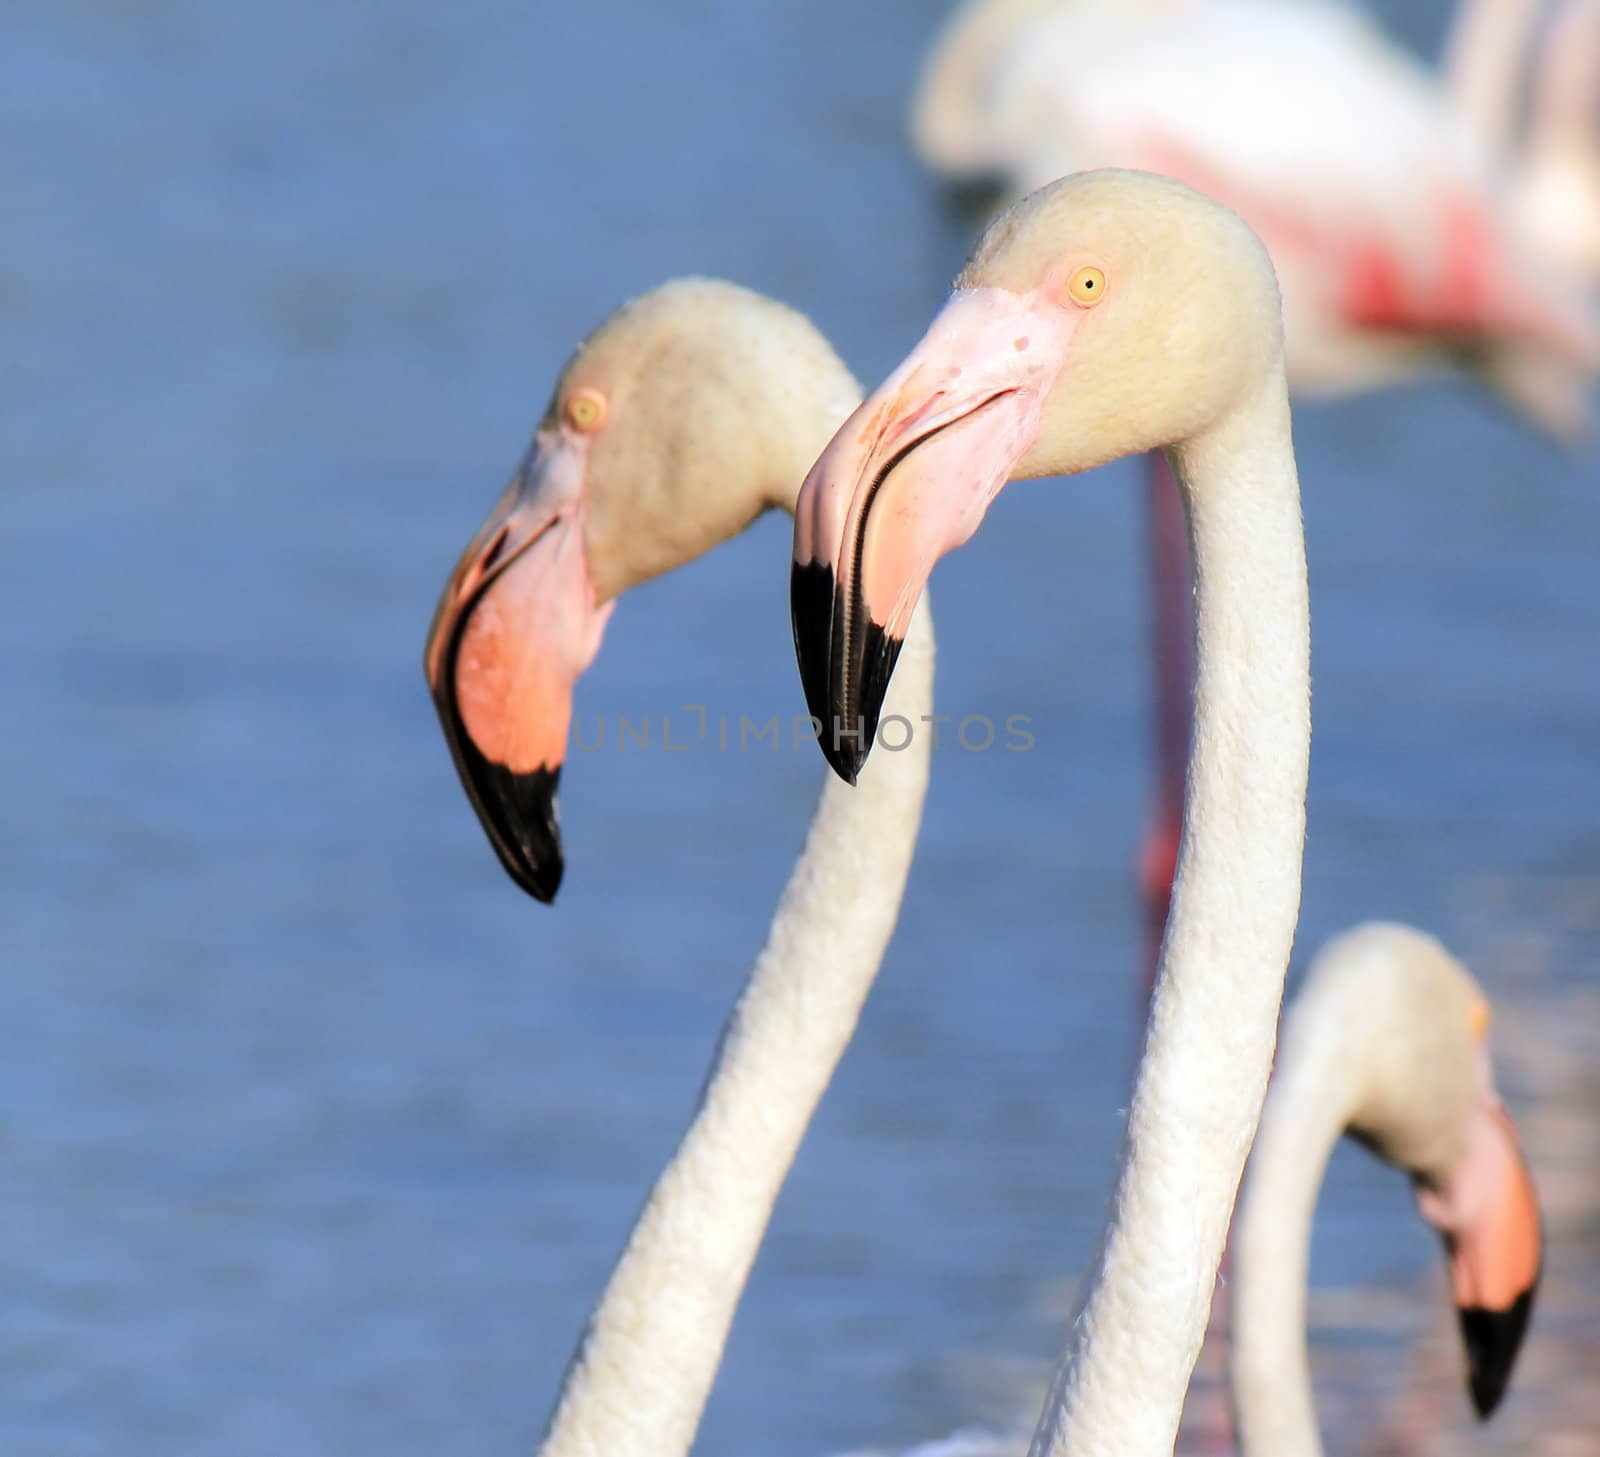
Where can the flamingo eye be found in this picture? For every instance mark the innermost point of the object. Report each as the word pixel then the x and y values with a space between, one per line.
pixel 1087 287
pixel 586 410
pixel 1479 1020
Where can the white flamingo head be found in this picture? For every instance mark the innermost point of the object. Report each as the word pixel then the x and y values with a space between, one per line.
pixel 682 418
pixel 1106 314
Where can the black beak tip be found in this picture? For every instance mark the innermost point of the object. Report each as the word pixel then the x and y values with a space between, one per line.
pixel 527 828
pixel 519 810
pixel 541 878
pixel 521 815
pixel 811 596
pixel 836 674
pixel 1492 1339
pixel 846 763
pixel 543 888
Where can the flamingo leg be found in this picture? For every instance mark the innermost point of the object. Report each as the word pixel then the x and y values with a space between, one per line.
pixel 1172 642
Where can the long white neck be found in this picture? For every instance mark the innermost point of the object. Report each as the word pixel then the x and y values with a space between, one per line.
pixel 640 1378
pixel 1213 1015
pixel 1269 1372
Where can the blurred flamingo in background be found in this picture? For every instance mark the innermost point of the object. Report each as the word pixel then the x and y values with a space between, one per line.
pixel 1545 143
pixel 1387 1042
pixel 1397 239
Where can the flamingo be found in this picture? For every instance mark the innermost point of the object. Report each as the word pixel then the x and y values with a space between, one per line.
pixel 996 98
pixel 970 76
pixel 686 415
pixel 1399 250
pixel 1387 1041
pixel 1107 314
pixel 950 130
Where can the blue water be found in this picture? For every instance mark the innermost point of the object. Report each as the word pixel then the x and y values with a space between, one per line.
pixel 318 1137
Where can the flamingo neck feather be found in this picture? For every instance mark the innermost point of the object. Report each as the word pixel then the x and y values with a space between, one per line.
pixel 1314 1093
pixel 639 1380
pixel 1213 1015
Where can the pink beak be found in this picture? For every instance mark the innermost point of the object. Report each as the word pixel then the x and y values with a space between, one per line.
pixel 1488 1215
pixel 516 625
pixel 908 478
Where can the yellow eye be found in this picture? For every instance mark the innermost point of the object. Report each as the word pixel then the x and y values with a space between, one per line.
pixel 1087 286
pixel 1480 1019
pixel 586 410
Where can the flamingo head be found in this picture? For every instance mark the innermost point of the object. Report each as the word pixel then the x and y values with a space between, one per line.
pixel 687 413
pixel 1484 1205
pixel 1415 1023
pixel 1108 313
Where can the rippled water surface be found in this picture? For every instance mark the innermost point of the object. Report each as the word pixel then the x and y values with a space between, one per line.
pixel 320 1138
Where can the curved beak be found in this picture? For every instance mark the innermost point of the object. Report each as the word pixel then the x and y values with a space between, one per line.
pixel 516 625
pixel 1487 1212
pixel 908 478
